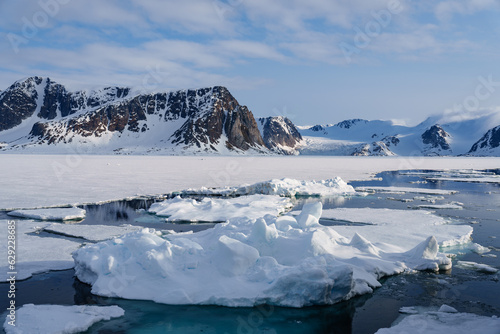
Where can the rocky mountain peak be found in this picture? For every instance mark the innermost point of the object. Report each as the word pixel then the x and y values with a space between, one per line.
pixel 436 139
pixel 490 141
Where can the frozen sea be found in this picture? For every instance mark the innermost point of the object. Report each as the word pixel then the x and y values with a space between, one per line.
pixel 475 203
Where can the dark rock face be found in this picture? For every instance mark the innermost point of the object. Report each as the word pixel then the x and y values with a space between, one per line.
pixel 490 140
pixel 206 119
pixel 18 102
pixel 436 137
pixel 390 141
pixel 317 128
pixel 347 124
pixel 279 132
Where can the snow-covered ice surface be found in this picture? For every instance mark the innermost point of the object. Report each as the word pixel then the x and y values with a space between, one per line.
pixel 450 206
pixel 58 319
pixel 50 214
pixel 90 232
pixel 398 230
pixel 454 175
pixel 32 181
pixel 281 187
pixel 477 266
pixel 401 190
pixel 217 210
pixel 283 261
pixel 445 320
pixel 35 254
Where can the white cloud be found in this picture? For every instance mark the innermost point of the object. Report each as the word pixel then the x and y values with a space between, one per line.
pixel 445 10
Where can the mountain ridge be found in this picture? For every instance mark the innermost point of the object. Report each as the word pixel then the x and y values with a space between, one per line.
pixel 41 116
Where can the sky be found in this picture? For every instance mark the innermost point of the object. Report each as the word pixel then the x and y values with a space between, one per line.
pixel 314 61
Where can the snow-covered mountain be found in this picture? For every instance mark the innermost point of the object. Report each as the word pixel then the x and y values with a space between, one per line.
pixel 39 115
pixel 436 136
pixel 488 145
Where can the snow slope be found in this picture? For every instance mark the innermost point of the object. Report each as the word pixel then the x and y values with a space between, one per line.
pixel 437 135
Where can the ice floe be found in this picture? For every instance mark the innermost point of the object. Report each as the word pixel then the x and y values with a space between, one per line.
pixel 398 230
pixel 50 214
pixel 287 261
pixel 484 268
pixel 58 319
pixel 404 190
pixel 91 232
pixel 448 206
pixel 217 209
pixel 445 320
pixel 282 187
pixel 35 254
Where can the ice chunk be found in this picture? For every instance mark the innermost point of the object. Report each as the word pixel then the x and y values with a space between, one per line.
pixel 217 209
pixel 447 309
pixel 35 254
pixel 284 261
pixel 477 266
pixel 52 319
pixel 90 232
pixel 50 214
pixel 403 190
pixel 282 187
pixel 445 320
pixel 450 206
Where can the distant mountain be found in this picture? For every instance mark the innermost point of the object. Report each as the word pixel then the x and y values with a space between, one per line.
pixel 383 138
pixel 488 145
pixel 38 115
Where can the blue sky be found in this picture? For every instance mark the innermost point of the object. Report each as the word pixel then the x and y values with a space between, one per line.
pixel 315 61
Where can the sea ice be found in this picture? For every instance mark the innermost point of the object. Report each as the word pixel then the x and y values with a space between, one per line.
pixel 282 187
pixel 484 268
pixel 403 190
pixel 57 319
pixel 286 261
pixel 449 206
pixel 217 210
pixel 399 230
pixel 445 320
pixel 35 254
pixel 91 232
pixel 50 214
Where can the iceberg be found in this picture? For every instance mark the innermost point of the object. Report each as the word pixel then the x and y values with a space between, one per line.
pixel 445 320
pixel 217 210
pixel 286 261
pixel 282 187
pixel 52 319
pixel 50 214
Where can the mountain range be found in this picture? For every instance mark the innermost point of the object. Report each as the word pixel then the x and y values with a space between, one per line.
pixel 38 115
